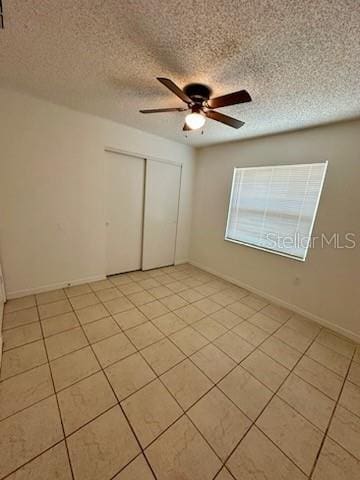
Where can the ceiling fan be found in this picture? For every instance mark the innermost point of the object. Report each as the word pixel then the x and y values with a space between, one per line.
pixel 200 105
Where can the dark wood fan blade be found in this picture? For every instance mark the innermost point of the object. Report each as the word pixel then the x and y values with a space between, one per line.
pixel 175 89
pixel 220 117
pixel 230 99
pixel 163 110
pixel 186 127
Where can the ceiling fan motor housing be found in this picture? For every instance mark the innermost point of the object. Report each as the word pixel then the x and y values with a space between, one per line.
pixel 197 92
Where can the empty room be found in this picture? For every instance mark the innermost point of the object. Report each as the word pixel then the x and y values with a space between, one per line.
pixel 179 240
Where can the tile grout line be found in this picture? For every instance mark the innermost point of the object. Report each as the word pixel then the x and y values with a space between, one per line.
pixel 331 418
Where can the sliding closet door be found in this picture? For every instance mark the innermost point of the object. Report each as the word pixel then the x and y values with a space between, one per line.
pixel 162 188
pixel 124 200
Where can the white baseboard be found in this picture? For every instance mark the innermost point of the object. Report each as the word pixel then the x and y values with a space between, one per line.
pixel 53 286
pixel 282 303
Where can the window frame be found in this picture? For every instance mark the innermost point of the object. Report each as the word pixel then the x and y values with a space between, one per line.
pixel 269 250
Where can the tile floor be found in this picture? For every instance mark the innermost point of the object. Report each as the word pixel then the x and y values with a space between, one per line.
pixel 174 374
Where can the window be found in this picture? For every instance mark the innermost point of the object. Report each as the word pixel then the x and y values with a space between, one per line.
pixel 274 208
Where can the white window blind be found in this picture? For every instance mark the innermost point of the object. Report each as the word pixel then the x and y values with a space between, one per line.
pixel 274 208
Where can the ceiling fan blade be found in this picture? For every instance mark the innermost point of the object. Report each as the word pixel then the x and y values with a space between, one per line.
pixel 163 110
pixel 175 89
pixel 220 117
pixel 234 98
pixel 186 127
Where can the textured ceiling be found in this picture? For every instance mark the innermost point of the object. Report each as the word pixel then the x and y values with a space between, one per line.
pixel 298 59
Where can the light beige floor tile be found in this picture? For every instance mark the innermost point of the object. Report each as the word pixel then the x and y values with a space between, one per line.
pixel 169 323
pixel 160 292
pixel 121 280
pixel 207 289
pixel 61 323
pixel 149 283
pixel 220 422
pixel 82 301
pixel 265 369
pixel 177 287
pixel 23 358
pixel 222 298
pixel 181 453
pixel 77 290
pixel 345 430
pixel 16 304
pixel 189 314
pixel 100 329
pixel 140 298
pixel 251 333
pixel 100 285
pixel 16 337
pixel 118 305
pixel 130 318
pixel 354 374
pixel 174 302
pixel 108 294
pixel 357 354
pixel 234 346
pixel 19 318
pixel 65 342
pixel 187 383
pixel 150 411
pixel 335 463
pixel 304 326
pixel 25 389
pixel 350 398
pixel 277 313
pixel 112 349
pixel 188 340
pixel 307 400
pixel 237 293
pixel 190 295
pixel 336 343
pixel 153 309
pixel 207 306
pixel 138 469
pixel 144 335
pixel 281 352
pixel 255 302
pixel 257 458
pixel 320 377
pixel 92 313
pixel 293 338
pixel 226 318
pixel 84 401
pixel 49 297
pixel 28 433
pixel 241 310
pixel 329 358
pixel 209 328
pixel 162 355
pixel 130 288
pixel 73 367
pixel 55 308
pixel 279 422
pixel 52 464
pixel 129 375
pixel 246 392
pixel 101 448
pixel 213 362
pixel 264 322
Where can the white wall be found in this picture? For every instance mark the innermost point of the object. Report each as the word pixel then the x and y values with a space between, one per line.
pixel 326 286
pixel 52 191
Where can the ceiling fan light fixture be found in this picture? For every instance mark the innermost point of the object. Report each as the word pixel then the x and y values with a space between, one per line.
pixel 195 120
